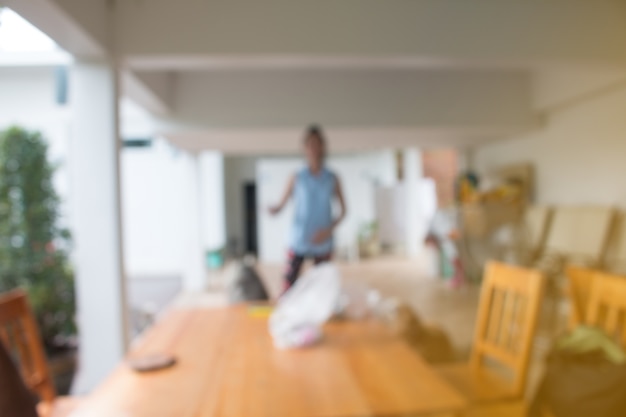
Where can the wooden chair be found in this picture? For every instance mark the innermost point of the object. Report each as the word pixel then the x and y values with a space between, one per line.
pixel 536 221
pixel 579 292
pixel 507 319
pixel 578 235
pixel 581 234
pixel 602 297
pixel 20 334
pixel 607 305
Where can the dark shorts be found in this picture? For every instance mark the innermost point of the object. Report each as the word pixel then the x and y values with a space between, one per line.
pixel 295 261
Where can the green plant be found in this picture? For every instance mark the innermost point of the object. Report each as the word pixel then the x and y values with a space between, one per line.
pixel 368 230
pixel 33 248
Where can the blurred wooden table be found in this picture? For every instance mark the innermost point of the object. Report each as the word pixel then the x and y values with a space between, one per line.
pixel 228 367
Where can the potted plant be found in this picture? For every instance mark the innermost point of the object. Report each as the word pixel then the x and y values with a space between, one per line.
pixel 33 246
pixel 369 245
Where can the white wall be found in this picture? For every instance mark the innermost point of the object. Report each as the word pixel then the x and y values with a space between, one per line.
pixel 390 214
pixel 156 204
pixel 358 174
pixel 274 231
pixel 173 211
pixel 28 95
pixel 212 217
pixel 579 156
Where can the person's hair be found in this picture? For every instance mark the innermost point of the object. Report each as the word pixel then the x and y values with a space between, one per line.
pixel 314 131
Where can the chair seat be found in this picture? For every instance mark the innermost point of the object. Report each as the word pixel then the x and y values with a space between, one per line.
pixel 61 407
pixel 480 386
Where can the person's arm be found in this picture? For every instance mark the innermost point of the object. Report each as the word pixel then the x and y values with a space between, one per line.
pixel 342 203
pixel 325 234
pixel 274 210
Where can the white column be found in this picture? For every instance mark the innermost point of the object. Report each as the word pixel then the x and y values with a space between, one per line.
pixel 412 181
pixel 98 259
pixel 212 204
pixel 194 272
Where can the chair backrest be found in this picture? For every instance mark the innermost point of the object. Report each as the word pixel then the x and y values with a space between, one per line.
pixel 20 335
pixel 580 284
pixel 508 312
pixel 616 256
pixel 581 233
pixel 537 221
pixel 607 306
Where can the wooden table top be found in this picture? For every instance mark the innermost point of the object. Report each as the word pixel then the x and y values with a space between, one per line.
pixel 228 367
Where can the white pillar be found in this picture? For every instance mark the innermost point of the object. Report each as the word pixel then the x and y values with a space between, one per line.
pixel 212 204
pixel 98 259
pixel 194 273
pixel 413 173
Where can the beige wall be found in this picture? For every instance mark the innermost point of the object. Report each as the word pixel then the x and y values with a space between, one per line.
pixel 579 155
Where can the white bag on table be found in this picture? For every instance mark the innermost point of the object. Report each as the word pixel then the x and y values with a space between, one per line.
pixel 301 312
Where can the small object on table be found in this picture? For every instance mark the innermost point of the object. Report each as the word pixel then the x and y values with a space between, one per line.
pixel 152 362
pixel 260 311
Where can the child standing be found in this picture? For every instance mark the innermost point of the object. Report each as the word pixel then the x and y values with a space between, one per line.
pixel 313 189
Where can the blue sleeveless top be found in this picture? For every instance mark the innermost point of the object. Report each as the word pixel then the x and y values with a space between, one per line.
pixel 313 196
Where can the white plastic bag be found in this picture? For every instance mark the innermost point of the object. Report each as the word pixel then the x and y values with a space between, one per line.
pixel 358 301
pixel 301 312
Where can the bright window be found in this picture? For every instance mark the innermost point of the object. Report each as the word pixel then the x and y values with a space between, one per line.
pixel 18 35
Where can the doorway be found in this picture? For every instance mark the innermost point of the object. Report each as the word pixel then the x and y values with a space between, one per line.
pixel 250 218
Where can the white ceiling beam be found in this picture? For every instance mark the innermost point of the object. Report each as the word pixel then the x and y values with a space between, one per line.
pixel 153 91
pixel 78 26
pixel 94 16
pixel 266 111
pixel 270 99
pixel 288 141
pixel 426 32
